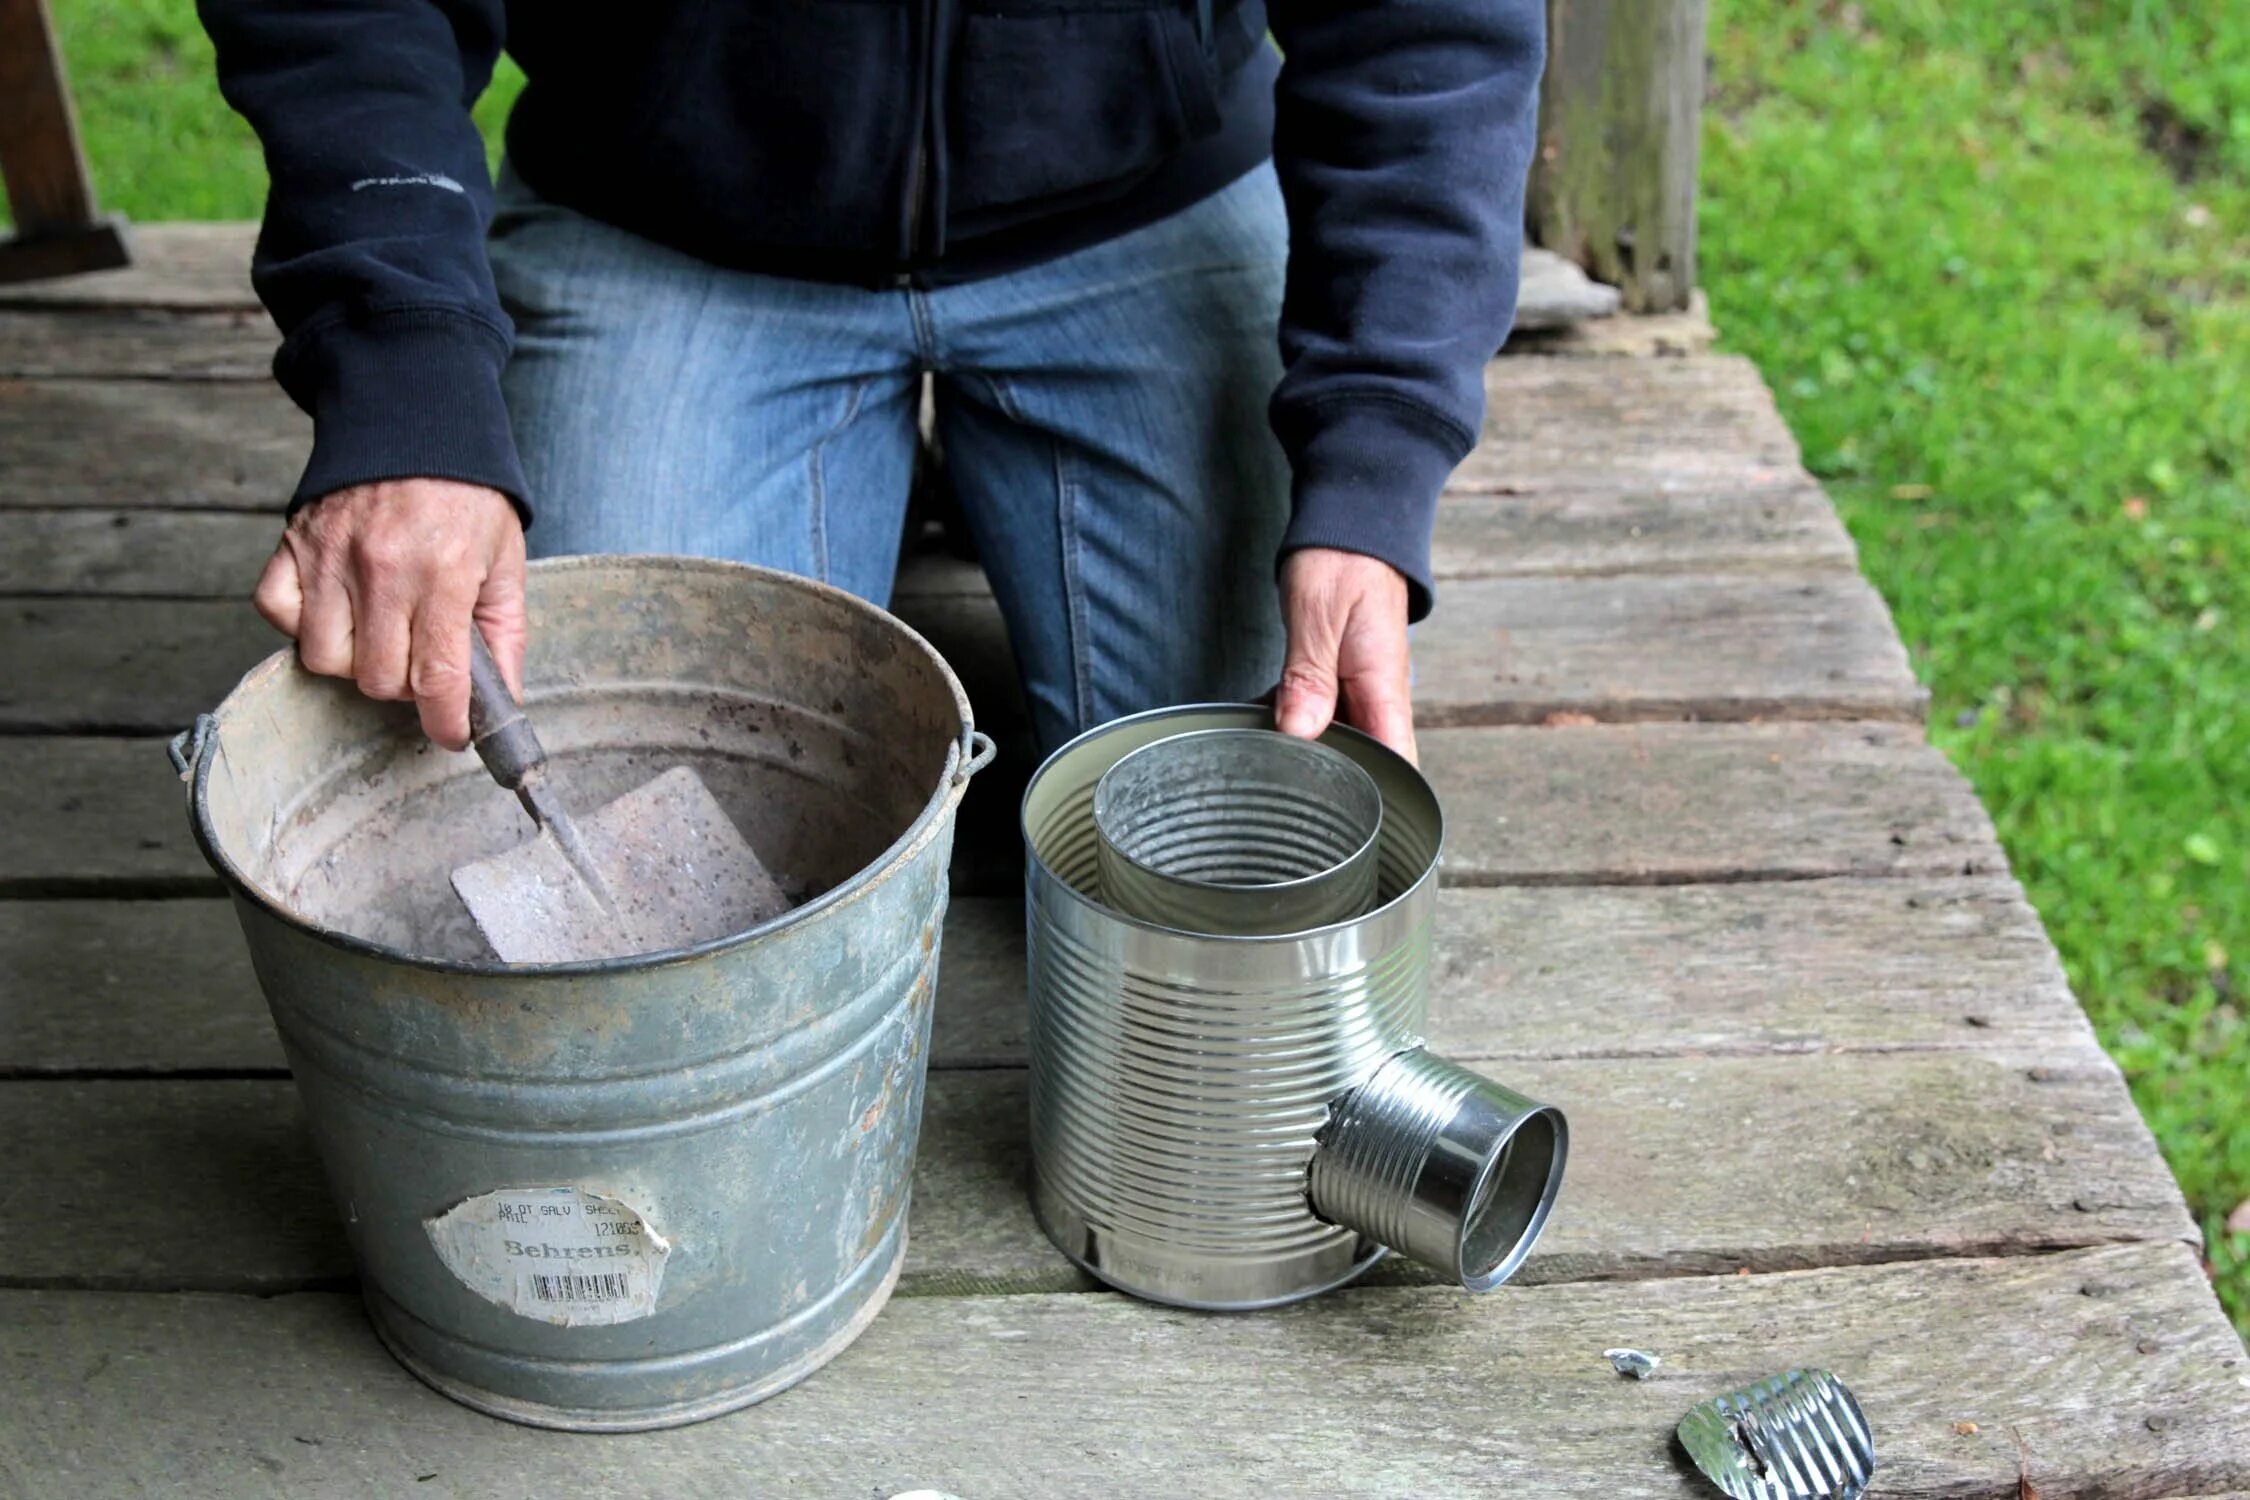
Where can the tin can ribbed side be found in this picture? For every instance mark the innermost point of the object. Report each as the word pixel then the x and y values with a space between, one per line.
pixel 1187 1111
pixel 1372 1153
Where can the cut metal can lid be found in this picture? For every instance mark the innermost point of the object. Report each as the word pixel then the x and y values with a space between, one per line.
pixel 1799 1435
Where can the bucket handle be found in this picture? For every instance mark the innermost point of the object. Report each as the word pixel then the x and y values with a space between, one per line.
pixel 977 751
pixel 186 747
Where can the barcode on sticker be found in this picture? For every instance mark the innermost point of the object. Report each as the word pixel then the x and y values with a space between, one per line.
pixel 608 1286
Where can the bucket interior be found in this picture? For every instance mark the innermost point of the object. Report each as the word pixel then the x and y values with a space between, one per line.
pixel 823 727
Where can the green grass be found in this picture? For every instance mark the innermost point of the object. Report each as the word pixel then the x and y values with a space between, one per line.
pixel 1995 261
pixel 2016 345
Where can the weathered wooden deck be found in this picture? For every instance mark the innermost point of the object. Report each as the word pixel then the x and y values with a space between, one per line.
pixel 1711 892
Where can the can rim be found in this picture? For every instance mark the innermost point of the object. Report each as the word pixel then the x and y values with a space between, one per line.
pixel 950 786
pixel 1486 1188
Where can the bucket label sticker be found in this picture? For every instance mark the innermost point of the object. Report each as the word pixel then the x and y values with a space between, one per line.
pixel 558 1254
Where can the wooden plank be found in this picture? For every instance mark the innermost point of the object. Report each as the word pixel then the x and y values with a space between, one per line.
pixel 88 816
pixel 176 267
pixel 1561 534
pixel 129 553
pixel 1552 426
pixel 185 267
pixel 1501 651
pixel 969 632
pixel 1677 1167
pixel 142 444
pixel 123 666
pixel 1797 966
pixel 1623 649
pixel 1620 119
pixel 1638 531
pixel 2113 1367
pixel 1665 804
pixel 154 332
pixel 191 266
pixel 1641 424
pixel 129 987
pixel 1646 804
pixel 135 344
pixel 189 554
pixel 1628 971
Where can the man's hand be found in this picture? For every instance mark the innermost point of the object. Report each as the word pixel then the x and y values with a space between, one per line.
pixel 1346 616
pixel 381 583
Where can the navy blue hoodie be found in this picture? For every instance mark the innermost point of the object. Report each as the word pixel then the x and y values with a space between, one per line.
pixel 899 142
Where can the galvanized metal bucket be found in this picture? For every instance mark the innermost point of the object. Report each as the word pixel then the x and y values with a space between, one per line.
pixel 644 1191
pixel 1228 1121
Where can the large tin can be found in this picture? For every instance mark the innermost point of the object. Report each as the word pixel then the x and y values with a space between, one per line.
pixel 1234 1121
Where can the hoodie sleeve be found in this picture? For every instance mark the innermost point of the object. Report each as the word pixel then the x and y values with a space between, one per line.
pixel 1403 134
pixel 371 257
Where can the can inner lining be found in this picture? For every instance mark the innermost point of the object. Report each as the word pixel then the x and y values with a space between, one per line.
pixel 1237 808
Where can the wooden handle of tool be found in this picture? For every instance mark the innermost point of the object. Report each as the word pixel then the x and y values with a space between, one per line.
pixel 497 727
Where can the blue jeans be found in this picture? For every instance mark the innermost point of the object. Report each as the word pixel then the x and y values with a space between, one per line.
pixel 1102 417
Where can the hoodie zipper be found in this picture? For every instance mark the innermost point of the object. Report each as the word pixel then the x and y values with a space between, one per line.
pixel 914 195
pixel 918 171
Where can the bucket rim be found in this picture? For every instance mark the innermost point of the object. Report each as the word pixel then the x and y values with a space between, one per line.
pixel 1036 863
pixel 962 759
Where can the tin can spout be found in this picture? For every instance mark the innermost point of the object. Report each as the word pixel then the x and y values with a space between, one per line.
pixel 1441 1164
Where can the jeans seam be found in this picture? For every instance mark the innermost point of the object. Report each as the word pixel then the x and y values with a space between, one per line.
pixel 1074 591
pixel 924 320
pixel 818 478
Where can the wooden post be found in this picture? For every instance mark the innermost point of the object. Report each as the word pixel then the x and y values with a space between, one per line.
pixel 58 231
pixel 1613 186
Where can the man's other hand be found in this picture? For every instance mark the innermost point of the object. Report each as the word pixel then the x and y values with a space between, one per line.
pixel 382 582
pixel 1346 616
